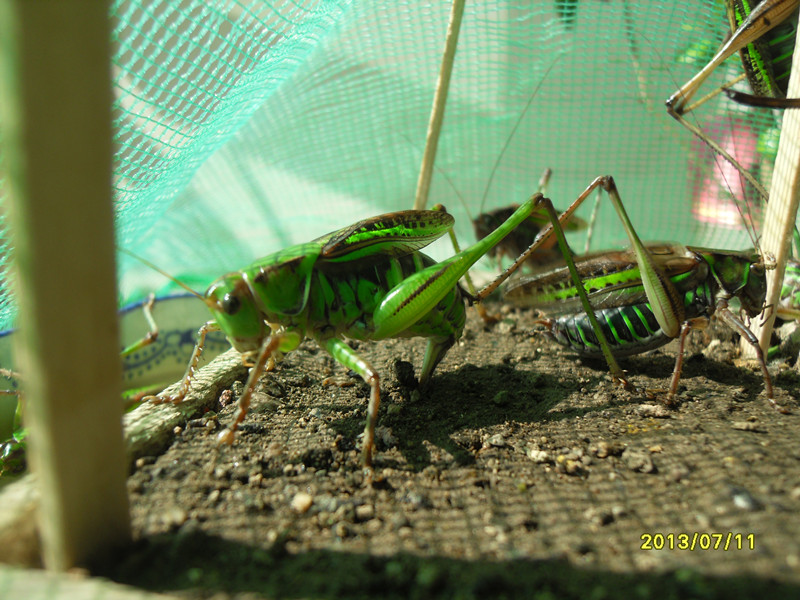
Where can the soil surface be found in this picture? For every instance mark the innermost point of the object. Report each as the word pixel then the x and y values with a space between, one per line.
pixel 521 471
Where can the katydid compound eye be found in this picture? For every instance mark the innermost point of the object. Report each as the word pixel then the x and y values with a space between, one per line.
pixel 231 304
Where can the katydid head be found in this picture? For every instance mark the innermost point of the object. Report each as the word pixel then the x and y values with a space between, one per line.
pixel 282 281
pixel 742 275
pixel 231 301
pixel 245 303
pixel 754 293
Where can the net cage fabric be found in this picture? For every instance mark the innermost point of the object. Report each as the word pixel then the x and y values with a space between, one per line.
pixel 243 127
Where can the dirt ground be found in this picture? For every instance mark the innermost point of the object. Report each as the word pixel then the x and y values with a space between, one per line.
pixel 521 472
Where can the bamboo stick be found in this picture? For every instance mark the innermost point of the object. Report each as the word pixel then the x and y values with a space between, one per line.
pixel 56 88
pixel 439 103
pixel 781 211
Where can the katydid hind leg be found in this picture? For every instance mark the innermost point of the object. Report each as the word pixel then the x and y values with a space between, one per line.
pixel 418 293
pixel 716 147
pixel 484 314
pixel 617 373
pixel 666 303
pixel 660 291
pixel 543 235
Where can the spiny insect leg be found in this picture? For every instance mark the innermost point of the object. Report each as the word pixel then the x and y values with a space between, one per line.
pixel 190 369
pixel 152 334
pixel 272 343
pixel 735 323
pixel 347 357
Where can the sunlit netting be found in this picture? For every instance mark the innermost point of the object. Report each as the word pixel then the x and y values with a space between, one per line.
pixel 242 127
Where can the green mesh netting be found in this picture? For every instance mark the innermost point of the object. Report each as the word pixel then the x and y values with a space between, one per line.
pixel 242 127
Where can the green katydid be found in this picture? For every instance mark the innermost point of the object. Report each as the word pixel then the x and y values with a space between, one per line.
pixel 767 59
pixel 646 296
pixel 750 21
pixel 368 281
pixel 751 25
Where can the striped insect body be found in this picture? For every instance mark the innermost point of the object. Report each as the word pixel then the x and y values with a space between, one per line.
pixel 701 277
pixel 622 317
pixel 368 281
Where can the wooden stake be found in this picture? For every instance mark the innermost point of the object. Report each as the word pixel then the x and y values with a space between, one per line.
pixel 781 211
pixel 55 116
pixel 439 103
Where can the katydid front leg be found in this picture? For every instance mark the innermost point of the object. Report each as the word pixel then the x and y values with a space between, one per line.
pixel 186 381
pixel 273 343
pixel 152 335
pixel 736 324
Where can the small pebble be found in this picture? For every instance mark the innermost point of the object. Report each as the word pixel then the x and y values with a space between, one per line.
pixel 496 441
pixel 302 502
pixel 638 460
pixel 654 411
pixel 747 426
pixel 365 512
pixel 539 456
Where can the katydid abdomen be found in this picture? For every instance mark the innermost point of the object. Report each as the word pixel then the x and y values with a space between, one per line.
pixel 626 318
pixel 631 329
pixel 343 300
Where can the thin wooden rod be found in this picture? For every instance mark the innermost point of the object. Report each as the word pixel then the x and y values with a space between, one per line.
pixel 55 116
pixel 781 211
pixel 439 103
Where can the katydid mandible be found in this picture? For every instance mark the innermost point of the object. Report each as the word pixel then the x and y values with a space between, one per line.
pixel 368 281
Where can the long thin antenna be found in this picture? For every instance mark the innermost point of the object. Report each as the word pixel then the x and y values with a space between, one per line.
pixel 147 263
pixel 513 131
